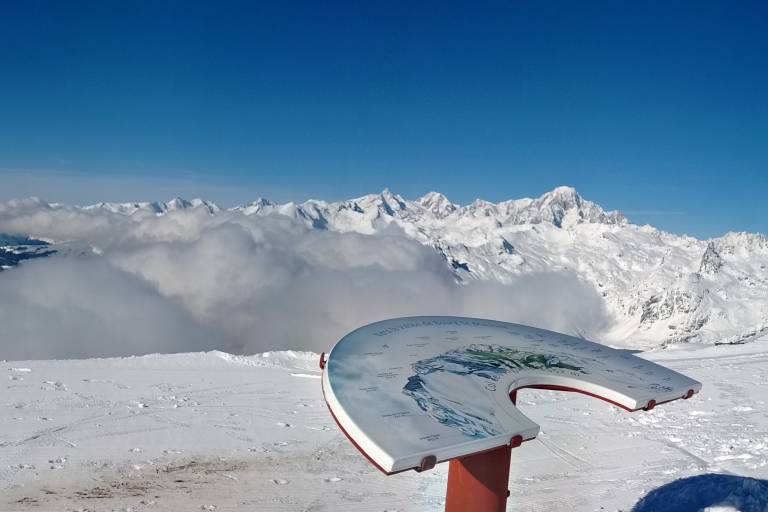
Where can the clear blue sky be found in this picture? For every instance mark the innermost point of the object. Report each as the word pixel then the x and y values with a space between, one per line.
pixel 657 109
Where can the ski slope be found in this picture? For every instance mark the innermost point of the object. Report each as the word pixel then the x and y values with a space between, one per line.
pixel 212 431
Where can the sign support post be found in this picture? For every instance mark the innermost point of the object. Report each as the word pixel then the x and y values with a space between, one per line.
pixel 480 481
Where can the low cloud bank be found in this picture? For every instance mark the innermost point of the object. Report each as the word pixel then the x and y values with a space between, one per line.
pixel 190 281
pixel 67 307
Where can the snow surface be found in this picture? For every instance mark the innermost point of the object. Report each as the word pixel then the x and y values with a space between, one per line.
pixel 213 431
pixel 216 431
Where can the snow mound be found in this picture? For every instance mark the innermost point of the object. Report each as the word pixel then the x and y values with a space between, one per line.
pixel 215 359
pixel 290 359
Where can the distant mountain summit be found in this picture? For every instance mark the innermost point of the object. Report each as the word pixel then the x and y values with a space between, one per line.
pixel 158 208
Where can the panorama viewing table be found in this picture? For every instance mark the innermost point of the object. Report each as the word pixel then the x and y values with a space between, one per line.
pixel 413 392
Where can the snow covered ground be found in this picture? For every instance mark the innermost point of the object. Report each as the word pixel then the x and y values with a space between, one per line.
pixel 211 431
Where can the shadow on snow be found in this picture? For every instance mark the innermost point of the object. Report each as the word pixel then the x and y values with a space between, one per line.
pixel 721 492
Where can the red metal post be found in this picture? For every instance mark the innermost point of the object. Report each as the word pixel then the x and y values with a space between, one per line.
pixel 478 483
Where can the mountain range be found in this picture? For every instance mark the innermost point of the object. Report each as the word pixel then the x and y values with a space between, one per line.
pixel 658 288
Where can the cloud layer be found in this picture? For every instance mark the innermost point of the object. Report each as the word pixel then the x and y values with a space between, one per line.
pixel 189 281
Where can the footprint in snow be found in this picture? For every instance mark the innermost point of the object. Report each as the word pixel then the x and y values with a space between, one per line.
pixel 54 385
pixel 22 466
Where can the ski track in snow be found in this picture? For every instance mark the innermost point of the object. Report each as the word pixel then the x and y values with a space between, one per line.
pixel 211 432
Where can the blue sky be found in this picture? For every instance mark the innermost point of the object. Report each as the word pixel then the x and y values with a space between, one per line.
pixel 657 109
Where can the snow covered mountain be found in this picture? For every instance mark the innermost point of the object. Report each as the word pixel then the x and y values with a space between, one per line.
pixel 158 208
pixel 15 249
pixel 657 287
pixel 562 207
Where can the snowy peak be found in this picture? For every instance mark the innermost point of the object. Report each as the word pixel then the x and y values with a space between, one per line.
pixel 127 208
pixel 741 242
pixel 711 261
pixel 563 195
pixel 385 203
pixel 564 206
pixel 561 207
pixel 178 203
pixel 392 200
pixel 437 204
pixel 157 208
pixel 254 207
pixel 558 202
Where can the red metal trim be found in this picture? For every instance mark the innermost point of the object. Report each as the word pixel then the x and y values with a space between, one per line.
pixel 552 387
pixel 354 443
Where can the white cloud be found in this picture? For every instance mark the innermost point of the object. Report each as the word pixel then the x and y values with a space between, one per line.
pixel 84 307
pixel 189 281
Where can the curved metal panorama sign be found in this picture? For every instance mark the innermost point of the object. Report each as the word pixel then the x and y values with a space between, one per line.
pixel 409 388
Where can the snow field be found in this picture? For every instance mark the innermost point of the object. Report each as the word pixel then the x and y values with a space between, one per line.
pixel 210 431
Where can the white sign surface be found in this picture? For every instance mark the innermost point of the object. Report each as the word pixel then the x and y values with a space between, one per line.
pixel 408 388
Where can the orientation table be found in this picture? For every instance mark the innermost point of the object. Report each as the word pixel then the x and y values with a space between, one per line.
pixel 413 392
